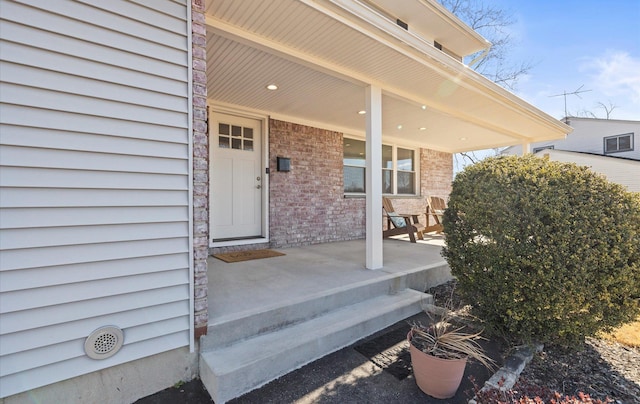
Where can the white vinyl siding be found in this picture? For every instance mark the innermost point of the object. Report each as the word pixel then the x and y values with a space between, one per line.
pixel 623 171
pixel 95 206
pixel 589 136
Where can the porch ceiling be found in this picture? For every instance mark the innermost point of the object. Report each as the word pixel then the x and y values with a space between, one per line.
pixel 322 56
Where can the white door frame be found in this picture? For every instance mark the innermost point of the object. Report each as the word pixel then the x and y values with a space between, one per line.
pixel 264 119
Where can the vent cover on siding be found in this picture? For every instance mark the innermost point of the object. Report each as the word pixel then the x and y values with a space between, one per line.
pixel 104 342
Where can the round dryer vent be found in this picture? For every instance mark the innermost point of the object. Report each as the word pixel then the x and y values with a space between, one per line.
pixel 104 342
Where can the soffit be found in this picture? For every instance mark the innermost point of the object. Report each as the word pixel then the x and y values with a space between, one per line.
pixel 322 62
pixel 431 20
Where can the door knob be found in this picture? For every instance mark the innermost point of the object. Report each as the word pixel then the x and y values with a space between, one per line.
pixel 258 186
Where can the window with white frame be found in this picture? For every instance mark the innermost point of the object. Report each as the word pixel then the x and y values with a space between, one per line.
pixel 399 168
pixel 618 143
pixel 354 161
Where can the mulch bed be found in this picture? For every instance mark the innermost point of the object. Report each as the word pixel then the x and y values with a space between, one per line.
pixel 600 368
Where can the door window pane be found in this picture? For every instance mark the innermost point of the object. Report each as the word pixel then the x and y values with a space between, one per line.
pixel 223 129
pixel 235 137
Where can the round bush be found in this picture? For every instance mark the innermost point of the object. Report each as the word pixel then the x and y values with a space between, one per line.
pixel 545 251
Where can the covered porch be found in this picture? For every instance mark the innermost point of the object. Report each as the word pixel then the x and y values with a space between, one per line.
pixel 243 289
pixel 292 79
pixel 270 316
pixel 349 67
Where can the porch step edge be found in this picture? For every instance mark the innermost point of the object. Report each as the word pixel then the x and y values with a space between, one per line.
pixel 231 371
pixel 225 330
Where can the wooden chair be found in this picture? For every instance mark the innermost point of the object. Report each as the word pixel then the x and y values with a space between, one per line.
pixel 435 210
pixel 398 223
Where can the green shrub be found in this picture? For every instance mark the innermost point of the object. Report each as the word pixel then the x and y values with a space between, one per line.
pixel 545 251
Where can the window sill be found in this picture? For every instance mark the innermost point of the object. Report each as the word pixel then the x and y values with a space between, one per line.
pixel 349 196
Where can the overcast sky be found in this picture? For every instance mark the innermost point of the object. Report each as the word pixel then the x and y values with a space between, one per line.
pixel 572 43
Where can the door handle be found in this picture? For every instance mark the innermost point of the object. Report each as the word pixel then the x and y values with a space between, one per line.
pixel 258 186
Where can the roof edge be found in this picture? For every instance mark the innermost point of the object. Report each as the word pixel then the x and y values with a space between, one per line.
pixel 460 25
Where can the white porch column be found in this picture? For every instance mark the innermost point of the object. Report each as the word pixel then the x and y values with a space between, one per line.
pixel 373 182
pixel 526 148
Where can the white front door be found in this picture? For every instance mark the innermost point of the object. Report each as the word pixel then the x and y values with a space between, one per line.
pixel 236 177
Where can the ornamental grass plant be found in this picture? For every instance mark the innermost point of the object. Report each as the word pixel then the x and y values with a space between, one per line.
pixel 444 338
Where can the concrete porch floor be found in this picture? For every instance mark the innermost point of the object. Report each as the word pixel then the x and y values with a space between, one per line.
pixel 242 288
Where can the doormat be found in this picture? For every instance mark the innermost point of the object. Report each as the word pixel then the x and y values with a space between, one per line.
pixel 238 256
pixel 390 352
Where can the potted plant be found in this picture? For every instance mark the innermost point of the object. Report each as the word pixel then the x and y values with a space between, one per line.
pixel 439 353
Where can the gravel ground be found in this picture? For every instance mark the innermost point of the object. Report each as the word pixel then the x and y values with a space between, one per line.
pixel 602 369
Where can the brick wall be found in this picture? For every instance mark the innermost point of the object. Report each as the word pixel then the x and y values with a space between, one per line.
pixel 200 167
pixel 436 169
pixel 307 204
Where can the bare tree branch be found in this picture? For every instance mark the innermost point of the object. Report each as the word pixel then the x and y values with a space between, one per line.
pixel 492 22
pixel 608 109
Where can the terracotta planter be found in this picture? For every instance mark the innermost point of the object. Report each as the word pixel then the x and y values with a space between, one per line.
pixel 439 378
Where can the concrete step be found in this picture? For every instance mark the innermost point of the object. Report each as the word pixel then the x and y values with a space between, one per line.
pixel 225 330
pixel 230 371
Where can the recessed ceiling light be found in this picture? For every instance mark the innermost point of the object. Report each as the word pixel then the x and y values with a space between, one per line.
pixel 424 107
pixel 423 128
pixel 463 138
pixel 362 112
pixel 272 87
pixel 399 126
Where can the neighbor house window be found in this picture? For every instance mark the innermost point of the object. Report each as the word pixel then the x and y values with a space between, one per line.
pixel 618 143
pixel 398 168
pixel 537 149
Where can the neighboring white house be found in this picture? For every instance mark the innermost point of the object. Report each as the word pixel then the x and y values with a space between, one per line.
pixel 623 171
pixel 608 146
pixel 607 137
pixel 115 180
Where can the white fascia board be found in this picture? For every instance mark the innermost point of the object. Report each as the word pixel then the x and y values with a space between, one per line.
pixel 444 64
pixel 434 9
pixel 456 22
